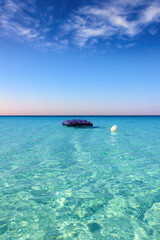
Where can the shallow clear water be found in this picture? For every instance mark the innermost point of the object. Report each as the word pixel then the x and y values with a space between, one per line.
pixel 66 183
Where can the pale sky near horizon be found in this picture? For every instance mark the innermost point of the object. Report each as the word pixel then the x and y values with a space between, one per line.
pixel 79 57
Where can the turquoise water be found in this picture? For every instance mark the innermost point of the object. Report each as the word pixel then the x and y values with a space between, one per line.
pixel 79 183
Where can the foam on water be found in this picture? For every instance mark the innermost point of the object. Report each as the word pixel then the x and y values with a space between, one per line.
pixel 79 183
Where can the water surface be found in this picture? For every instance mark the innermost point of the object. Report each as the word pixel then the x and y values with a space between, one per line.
pixel 67 183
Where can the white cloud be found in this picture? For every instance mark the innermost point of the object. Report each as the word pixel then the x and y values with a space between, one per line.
pixel 23 21
pixel 9 23
pixel 113 19
pixel 152 13
pixel 11 6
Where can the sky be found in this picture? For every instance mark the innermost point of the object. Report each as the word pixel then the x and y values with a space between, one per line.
pixel 79 57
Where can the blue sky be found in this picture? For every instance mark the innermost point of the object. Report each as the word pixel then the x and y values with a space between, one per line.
pixel 79 57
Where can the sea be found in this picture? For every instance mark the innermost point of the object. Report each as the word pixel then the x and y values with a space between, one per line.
pixel 64 183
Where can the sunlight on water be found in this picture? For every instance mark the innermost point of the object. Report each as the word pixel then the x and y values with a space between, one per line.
pixel 79 183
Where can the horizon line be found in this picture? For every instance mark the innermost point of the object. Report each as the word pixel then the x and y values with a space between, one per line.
pixel 79 115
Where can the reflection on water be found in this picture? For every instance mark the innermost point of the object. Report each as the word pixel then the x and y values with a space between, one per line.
pixel 114 136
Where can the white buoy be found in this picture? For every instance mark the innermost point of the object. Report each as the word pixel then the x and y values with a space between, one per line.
pixel 114 128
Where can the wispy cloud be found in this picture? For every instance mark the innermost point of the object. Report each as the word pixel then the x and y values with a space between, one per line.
pixel 117 19
pixel 152 13
pixel 24 21
pixel 14 20
pixel 121 18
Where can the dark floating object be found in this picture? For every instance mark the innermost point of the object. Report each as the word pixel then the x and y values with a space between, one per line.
pixel 77 122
